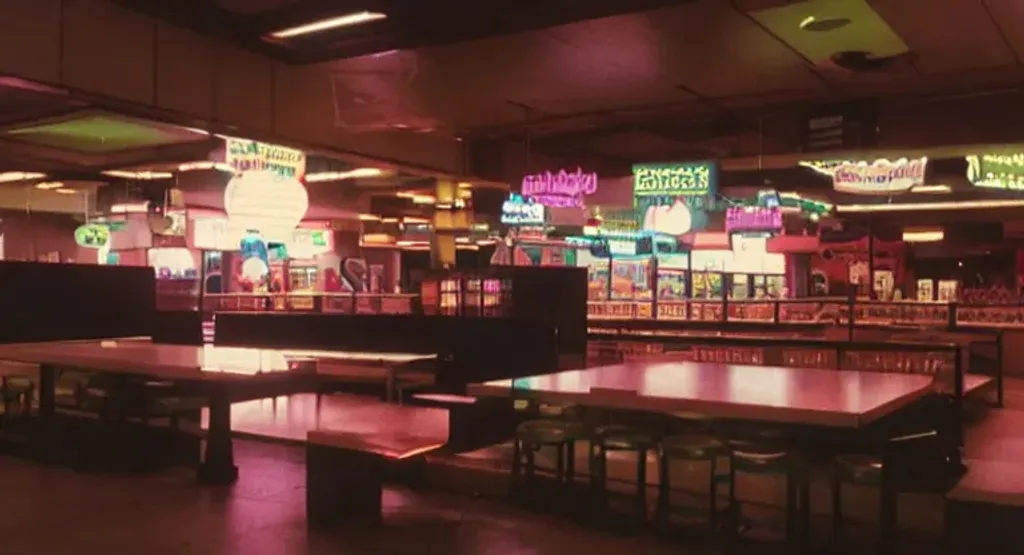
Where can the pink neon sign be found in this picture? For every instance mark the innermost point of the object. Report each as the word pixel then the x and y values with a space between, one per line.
pixel 753 219
pixel 560 190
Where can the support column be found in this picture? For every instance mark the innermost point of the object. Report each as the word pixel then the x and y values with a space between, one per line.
pixel 452 216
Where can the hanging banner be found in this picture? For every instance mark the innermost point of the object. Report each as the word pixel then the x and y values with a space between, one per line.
pixel 244 155
pixel 881 177
pixel 674 198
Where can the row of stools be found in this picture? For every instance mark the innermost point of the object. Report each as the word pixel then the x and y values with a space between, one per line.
pixel 763 453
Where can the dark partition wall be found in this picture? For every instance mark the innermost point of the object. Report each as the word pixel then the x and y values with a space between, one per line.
pixel 468 349
pixel 47 302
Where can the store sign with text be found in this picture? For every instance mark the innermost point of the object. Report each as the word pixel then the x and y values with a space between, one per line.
pixel 996 171
pixel 561 189
pixel 881 177
pixel 753 218
pixel 673 199
pixel 519 211
pixel 244 155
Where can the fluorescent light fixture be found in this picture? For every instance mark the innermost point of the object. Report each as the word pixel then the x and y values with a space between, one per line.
pixel 205 165
pixel 141 175
pixel 10 177
pixel 369 218
pixel 49 185
pixel 934 189
pixel 130 208
pixel 347 20
pixel 926 206
pixel 922 235
pixel 338 176
pixel 65 191
pixel 423 199
pixel 415 220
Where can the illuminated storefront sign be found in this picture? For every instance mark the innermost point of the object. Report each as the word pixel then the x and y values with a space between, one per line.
pixel 520 211
pixel 673 198
pixel 881 177
pixel 244 155
pixel 997 171
pixel 92 236
pixel 753 218
pixel 560 189
pixel 674 180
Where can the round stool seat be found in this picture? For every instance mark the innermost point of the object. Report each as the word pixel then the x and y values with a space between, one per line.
pixel 691 447
pixel 860 469
pixel 544 432
pixel 690 416
pixel 623 438
pixel 753 456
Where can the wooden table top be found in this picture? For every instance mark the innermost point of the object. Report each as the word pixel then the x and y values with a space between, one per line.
pixel 185 362
pixel 786 395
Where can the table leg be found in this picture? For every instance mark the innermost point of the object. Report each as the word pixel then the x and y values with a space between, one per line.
pixel 218 466
pixel 47 392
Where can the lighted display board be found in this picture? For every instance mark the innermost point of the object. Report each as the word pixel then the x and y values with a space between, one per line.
pixel 753 218
pixel 519 211
pixel 997 171
pixel 881 177
pixel 244 155
pixel 674 198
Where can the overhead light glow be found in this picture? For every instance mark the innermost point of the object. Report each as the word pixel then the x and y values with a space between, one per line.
pixel 926 206
pixel 934 189
pixel 65 191
pixel 923 235
pixel 205 165
pixel 10 177
pixel 140 175
pixel 809 20
pixel 347 20
pixel 338 176
pixel 368 217
pixel 49 185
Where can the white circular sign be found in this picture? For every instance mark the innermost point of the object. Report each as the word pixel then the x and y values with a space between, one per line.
pixel 266 202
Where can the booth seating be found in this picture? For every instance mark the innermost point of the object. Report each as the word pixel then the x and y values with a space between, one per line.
pixel 348 462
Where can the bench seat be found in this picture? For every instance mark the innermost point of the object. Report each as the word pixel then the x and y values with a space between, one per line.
pixel 347 465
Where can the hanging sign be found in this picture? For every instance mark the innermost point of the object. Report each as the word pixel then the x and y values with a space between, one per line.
pixel 522 212
pixel 244 155
pixel 92 236
pixel 753 218
pixel 996 171
pixel 691 179
pixel 881 177
pixel 561 189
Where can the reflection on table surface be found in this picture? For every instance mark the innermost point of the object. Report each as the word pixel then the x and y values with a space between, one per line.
pixel 801 389
pixel 143 356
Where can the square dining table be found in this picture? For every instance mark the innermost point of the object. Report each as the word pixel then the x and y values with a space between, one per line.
pixel 216 372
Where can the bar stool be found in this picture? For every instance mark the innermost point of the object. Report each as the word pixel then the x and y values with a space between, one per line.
pixel 17 390
pixel 870 470
pixel 620 438
pixel 533 435
pixel 689 448
pixel 769 457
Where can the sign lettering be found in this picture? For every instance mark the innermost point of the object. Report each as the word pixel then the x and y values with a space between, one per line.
pixel 244 155
pixel 753 219
pixel 519 211
pixel 673 179
pixel 560 189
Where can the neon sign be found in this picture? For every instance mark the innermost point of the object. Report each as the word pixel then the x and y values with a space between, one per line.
pixel 519 211
pixel 753 218
pixel 881 177
pixel 560 190
pixel 92 236
pixel 695 179
pixel 997 171
pixel 244 155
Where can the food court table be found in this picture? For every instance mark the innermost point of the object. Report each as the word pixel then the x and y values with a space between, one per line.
pixel 213 371
pixel 830 398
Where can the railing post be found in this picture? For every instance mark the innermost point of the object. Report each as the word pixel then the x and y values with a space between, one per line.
pixel 951 324
pixel 777 304
pixel 850 306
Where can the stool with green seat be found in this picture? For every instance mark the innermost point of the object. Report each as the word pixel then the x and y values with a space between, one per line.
pixel 689 448
pixel 767 455
pixel 620 438
pixel 532 436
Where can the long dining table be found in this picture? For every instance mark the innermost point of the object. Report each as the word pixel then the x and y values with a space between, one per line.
pixel 844 399
pixel 214 372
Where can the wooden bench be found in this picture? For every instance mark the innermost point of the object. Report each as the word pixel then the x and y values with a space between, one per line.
pixel 347 465
pixel 985 510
